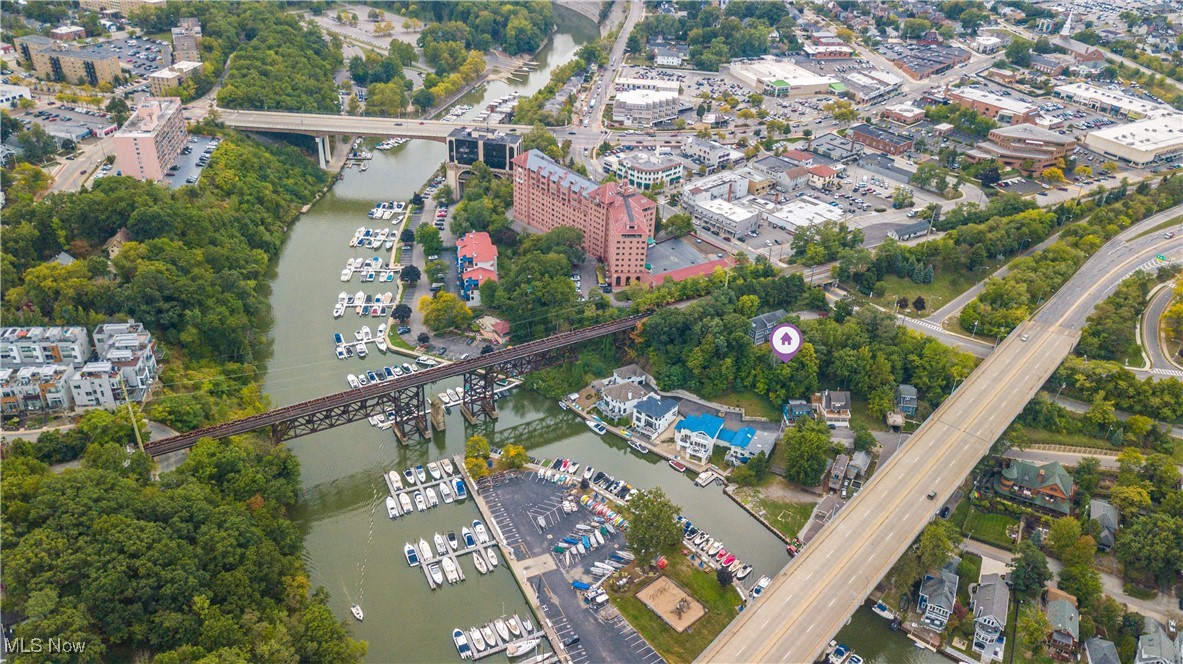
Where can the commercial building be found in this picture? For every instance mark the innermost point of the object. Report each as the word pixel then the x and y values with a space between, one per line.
pixel 909 231
pixel 644 170
pixel 11 94
pixel 476 263
pixel 711 154
pixel 838 148
pixel 867 85
pixel 1110 102
pixel 53 60
pixel 722 217
pixel 151 139
pixel 123 7
pixel 905 114
pixel 727 185
pixel 928 61
pixel 187 41
pixel 1003 110
pixel 1025 147
pixel 35 346
pixel 645 108
pixel 822 176
pixel 780 78
pixel 68 33
pixel 879 139
pixel 827 50
pixel 35 389
pixel 794 214
pixel 655 84
pixel 617 221
pixel 1140 143
pixel 1050 64
pixel 165 80
pixel 788 175
pixel 986 44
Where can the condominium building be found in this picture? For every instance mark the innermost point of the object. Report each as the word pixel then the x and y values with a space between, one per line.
pixel 1025 147
pixel 644 170
pixel 187 41
pixel 711 154
pixel 645 108
pixel 170 78
pixel 476 263
pixel 36 346
pixel 1004 110
pixel 54 60
pixel 126 367
pixel 34 389
pixel 657 84
pixel 617 222
pixel 151 140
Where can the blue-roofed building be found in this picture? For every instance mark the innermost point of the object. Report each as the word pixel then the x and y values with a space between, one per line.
pixel 745 444
pixel 696 437
pixel 652 415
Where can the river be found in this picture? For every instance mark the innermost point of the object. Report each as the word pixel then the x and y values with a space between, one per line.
pixel 352 548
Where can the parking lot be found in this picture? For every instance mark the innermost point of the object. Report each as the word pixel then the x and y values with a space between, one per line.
pixel 75 123
pixel 139 56
pixel 517 502
pixel 189 165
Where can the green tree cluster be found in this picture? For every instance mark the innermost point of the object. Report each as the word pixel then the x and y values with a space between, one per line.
pixel 965 119
pixel 716 37
pixel 1109 333
pixel 653 527
pixel 284 65
pixel 516 26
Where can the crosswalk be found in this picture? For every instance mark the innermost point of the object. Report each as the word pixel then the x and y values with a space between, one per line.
pixel 1167 372
pixel 921 322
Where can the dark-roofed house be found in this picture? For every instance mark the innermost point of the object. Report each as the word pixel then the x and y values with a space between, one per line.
pixel 652 415
pixel 990 600
pixel 795 410
pixel 938 593
pixel 1065 620
pixel 906 399
pixel 859 463
pixel 618 400
pixel 838 471
pixel 833 406
pixel 1100 651
pixel 909 231
pixel 1109 518
pixel 760 327
pixel 1155 647
pixel 1048 487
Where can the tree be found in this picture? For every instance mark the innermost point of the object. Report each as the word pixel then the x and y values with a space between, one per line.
pixel 445 194
pixel 514 457
pixel 1033 626
pixel 842 111
pixel 36 144
pixel 1083 171
pixel 679 224
pixel 1087 475
pixel 428 237
pixel 1029 570
pixel 477 468
pixel 1018 52
pixel 444 311
pixel 1063 534
pixel 410 274
pixel 808 446
pixel 119 110
pixel 476 447
pixel 423 337
pixel 407 236
pixel 724 576
pixel 1052 175
pixel 653 527
pixel 423 99
pixel 401 312
pixel 864 440
pixel 1130 500
pixel 902 198
pixel 919 304
pixel 1152 544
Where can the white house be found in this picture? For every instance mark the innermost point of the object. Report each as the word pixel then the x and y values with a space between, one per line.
pixel 652 415
pixel 695 435
pixel 991 600
pixel 619 400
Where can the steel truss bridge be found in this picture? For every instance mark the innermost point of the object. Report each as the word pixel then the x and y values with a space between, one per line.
pixel 405 396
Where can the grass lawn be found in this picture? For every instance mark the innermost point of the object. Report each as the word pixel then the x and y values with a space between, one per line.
pixel 720 604
pixel 989 528
pixel 960 513
pixel 946 285
pixel 859 415
pixel 788 518
pixel 969 570
pixel 754 405
pixel 1041 437
pixel 398 342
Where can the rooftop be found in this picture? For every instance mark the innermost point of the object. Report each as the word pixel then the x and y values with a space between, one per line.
pixel 656 407
pixel 478 246
pixel 704 423
pixel 1032 132
pixel 1005 103
pixel 880 134
pixel 640 97
pixel 1153 133
pixel 546 167
pixel 1113 98
pixel 152 114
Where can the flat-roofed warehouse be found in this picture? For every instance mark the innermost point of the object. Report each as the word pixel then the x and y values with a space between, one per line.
pixel 1110 101
pixel 780 78
pixel 1142 142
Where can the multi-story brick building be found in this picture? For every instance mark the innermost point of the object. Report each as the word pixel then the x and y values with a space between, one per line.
pixel 644 170
pixel 53 60
pixel 1004 110
pixel 187 41
pixel 617 222
pixel 169 78
pixel 1025 147
pixel 880 139
pixel 645 108
pixel 151 140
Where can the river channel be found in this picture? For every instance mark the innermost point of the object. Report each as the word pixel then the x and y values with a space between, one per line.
pixel 352 548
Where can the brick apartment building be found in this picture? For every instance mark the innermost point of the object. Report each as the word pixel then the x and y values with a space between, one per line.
pixel 151 140
pixel 617 222
pixel 880 139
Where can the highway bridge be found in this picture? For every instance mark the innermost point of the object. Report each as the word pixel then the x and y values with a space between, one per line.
pixel 404 395
pixel 812 598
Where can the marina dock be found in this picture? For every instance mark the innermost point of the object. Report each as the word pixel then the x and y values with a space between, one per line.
pixel 429 484
pixel 707 477
pixel 454 556
pixel 528 631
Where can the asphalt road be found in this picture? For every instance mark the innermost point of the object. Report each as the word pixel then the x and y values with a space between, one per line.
pixel 812 598
pixel 1152 333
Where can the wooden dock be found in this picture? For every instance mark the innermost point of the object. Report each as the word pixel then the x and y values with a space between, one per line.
pixel 429 484
pixel 479 549
pixel 502 646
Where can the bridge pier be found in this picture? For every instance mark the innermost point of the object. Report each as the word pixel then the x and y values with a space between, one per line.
pixel 478 394
pixel 323 151
pixel 410 413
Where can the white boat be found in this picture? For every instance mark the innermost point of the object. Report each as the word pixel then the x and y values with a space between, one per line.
pixel 361 349
pixel 491 554
pixel 444 398
pixel 391 507
pixel 453 543
pixel 432 499
pixel 461 644
pixel 514 628
pixel 380 342
pixel 760 586
pixel 425 549
pixel 527 625
pixel 458 489
pixel 597 427
pixel 502 630
pixel 474 635
pixel 434 469
pixel 882 611
pixel 364 334
pixel 715 548
pixel 411 554
pixel 420 503
pixel 356 611
pixel 599 537
pixel 490 635
pixel 588 472
pixel 436 574
pixel 446 493
pixel 479 561
pixel 469 539
pixel 341 352
pixel 482 535
pixel 346 274
pixel 338 310
pixel 452 395
pixel 404 501
pixel 522 647
pixel 441 546
pixel 353 382
pixel 409 473
pixel 743 572
pixel 450 570
pixel 420 474
pixel 395 480
pixel 447 467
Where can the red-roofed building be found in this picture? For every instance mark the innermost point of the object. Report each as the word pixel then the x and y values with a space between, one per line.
pixel 798 158
pixel 476 263
pixel 822 176
pixel 616 220
pixel 493 329
pixel 683 273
